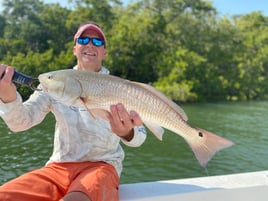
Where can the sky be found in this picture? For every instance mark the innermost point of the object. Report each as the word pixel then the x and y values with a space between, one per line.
pixel 233 7
pixel 224 7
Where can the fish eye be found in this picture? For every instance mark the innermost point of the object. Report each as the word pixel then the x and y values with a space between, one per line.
pixel 50 77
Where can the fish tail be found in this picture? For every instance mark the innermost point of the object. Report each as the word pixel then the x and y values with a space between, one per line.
pixel 207 145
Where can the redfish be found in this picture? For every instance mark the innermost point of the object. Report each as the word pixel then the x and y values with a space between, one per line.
pixel 98 91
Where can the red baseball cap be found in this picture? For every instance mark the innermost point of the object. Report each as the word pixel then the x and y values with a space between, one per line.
pixel 92 27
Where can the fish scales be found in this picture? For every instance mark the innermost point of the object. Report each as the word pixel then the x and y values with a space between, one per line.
pixel 125 93
pixel 99 91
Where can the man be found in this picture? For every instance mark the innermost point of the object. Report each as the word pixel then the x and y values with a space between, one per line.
pixel 87 158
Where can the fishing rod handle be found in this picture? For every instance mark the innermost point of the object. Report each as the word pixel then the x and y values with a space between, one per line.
pixel 21 78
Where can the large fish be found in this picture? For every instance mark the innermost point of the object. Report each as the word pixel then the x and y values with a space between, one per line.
pixel 98 91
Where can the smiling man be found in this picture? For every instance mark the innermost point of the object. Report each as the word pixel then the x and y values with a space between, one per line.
pixel 90 47
pixel 86 162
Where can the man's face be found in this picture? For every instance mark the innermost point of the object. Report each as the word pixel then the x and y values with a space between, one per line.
pixel 89 57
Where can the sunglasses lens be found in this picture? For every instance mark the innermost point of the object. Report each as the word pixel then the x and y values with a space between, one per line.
pixel 85 40
pixel 97 42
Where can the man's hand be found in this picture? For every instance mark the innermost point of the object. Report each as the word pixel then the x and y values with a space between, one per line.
pixel 122 122
pixel 7 88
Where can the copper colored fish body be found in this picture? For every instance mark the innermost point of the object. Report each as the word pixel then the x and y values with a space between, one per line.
pixel 99 91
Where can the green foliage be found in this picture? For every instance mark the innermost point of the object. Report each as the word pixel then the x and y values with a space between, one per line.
pixel 182 47
pixel 132 50
pixel 32 64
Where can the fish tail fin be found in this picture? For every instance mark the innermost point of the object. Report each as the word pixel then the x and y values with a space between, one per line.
pixel 208 145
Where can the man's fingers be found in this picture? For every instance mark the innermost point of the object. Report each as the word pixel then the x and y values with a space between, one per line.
pixel 136 119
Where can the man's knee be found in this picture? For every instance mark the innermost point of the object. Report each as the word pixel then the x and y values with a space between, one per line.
pixel 75 196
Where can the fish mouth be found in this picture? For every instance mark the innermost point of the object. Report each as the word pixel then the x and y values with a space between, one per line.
pixel 43 88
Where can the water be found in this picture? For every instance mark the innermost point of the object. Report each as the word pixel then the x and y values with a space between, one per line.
pixel 245 123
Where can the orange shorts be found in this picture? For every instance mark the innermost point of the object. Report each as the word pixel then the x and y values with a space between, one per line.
pixel 98 180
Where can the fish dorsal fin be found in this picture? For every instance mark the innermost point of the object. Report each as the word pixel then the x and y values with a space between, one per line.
pixel 157 130
pixel 164 98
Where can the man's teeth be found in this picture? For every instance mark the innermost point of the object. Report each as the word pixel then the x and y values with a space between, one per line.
pixel 91 54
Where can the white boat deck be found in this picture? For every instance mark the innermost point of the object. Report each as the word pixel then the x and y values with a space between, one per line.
pixel 252 186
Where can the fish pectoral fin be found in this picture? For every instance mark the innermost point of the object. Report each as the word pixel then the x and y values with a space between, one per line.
pixel 83 101
pixel 96 112
pixel 101 113
pixel 157 130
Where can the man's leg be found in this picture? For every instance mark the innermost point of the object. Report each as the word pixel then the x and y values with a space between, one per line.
pixel 75 196
pixel 98 182
pixel 35 185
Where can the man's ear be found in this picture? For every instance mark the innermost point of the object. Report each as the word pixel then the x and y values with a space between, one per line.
pixel 104 53
pixel 74 51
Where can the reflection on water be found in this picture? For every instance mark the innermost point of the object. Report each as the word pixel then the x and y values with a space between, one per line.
pixel 24 151
pixel 243 122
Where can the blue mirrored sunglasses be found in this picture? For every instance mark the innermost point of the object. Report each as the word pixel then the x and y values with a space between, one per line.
pixel 85 40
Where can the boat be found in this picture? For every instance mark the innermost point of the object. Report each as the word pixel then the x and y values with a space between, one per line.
pixel 249 186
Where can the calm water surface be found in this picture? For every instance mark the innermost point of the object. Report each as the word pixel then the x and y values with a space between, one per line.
pixel 245 123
